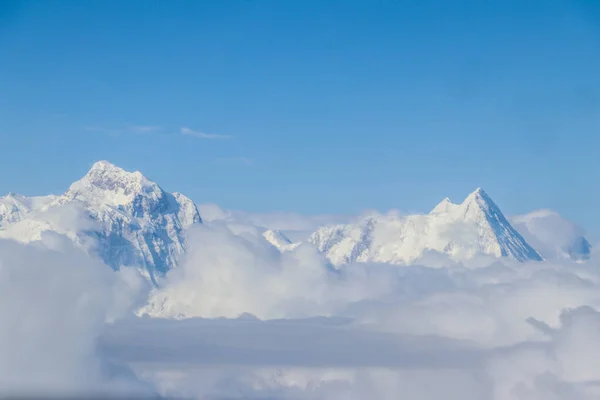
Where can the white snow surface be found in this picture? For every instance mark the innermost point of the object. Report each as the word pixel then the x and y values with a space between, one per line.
pixel 462 231
pixel 122 217
pixel 15 207
pixel 279 240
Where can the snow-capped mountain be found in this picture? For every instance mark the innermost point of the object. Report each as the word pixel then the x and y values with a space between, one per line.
pixel 127 220
pixel 462 231
pixel 122 217
pixel 552 235
pixel 279 240
pixel 15 207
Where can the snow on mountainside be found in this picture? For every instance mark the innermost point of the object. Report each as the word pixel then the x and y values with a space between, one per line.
pixel 279 240
pixel 15 207
pixel 552 235
pixel 476 226
pixel 122 217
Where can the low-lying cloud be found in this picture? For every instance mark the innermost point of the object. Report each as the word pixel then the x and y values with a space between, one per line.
pixel 240 320
pixel 53 306
pixel 488 330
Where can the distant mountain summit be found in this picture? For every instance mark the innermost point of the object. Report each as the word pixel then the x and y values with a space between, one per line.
pixel 475 226
pixel 123 217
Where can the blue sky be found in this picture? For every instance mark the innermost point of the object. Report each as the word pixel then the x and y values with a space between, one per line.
pixel 326 106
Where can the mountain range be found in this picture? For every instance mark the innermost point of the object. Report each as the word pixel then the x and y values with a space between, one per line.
pixel 475 226
pixel 127 220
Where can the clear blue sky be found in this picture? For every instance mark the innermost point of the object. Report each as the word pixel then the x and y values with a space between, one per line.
pixel 331 106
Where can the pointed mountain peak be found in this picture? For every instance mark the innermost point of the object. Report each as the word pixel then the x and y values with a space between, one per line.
pixel 14 196
pixel 107 169
pixel 481 198
pixel 104 165
pixel 443 206
pixel 479 192
pixel 188 212
pixel 105 173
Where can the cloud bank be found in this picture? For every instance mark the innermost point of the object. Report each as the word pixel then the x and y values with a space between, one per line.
pixel 53 306
pixel 240 320
pixel 299 329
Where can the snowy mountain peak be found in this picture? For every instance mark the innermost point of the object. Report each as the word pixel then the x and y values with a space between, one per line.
pixel 478 205
pixel 443 206
pixel 122 217
pixel 103 165
pixel 479 192
pixel 476 226
pixel 104 173
pixel 13 208
pixel 495 231
pixel 108 184
pixel 480 198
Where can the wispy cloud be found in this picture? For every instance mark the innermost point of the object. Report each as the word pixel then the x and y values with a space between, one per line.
pixel 203 135
pixel 241 160
pixel 129 129
pixel 144 128
pixel 100 129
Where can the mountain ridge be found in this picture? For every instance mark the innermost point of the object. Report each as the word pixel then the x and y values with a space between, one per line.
pixel 460 230
pixel 126 219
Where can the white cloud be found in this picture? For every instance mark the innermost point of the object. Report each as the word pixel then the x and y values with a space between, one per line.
pixel 414 332
pixel 489 330
pixel 294 225
pixel 202 135
pixel 53 306
pixel 130 129
pixel 145 128
pixel 552 235
pixel 329 359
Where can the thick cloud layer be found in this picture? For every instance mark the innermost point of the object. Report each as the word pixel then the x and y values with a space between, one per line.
pixel 331 359
pixel 296 328
pixel 53 306
pixel 486 330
